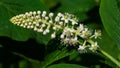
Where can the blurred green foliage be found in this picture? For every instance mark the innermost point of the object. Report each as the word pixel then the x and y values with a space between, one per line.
pixel 19 48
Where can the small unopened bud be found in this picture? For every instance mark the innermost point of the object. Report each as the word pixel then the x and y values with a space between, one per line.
pixel 53 35
pixel 34 13
pixel 47 30
pixel 62 36
pixel 38 12
pixel 40 30
pixel 43 25
pixel 44 13
pixel 44 33
pixel 51 15
pixel 54 28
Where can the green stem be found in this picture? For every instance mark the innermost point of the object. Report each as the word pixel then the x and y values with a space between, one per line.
pixel 106 54
pixel 110 57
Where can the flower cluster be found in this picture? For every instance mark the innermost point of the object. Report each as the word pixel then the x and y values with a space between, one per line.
pixel 72 31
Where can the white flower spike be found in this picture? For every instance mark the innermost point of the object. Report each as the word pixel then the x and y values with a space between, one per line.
pixel 71 33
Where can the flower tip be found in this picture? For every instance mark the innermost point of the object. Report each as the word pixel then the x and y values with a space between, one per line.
pixel 53 35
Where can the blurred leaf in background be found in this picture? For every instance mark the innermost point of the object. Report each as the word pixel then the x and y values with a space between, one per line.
pixel 110 16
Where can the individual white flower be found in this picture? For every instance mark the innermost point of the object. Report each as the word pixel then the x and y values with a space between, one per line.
pixel 30 13
pixel 82 49
pixel 43 25
pixel 66 20
pixel 51 14
pixel 97 34
pixel 72 30
pixel 50 21
pixel 46 18
pixel 74 22
pixel 29 23
pixel 21 25
pixel 32 17
pixel 37 17
pixel 26 13
pixel 37 24
pixel 40 30
pixel 39 20
pixel 44 32
pixel 47 30
pixel 35 28
pixel 57 19
pixel 60 14
pixel 74 41
pixel 27 27
pixel 53 35
pixel 34 13
pixel 31 26
pixel 80 27
pixel 67 32
pixel 54 28
pixel 25 24
pixel 94 47
pixel 44 13
pixel 61 23
pixel 62 36
pixel 76 38
pixel 85 33
pixel 38 12
pixel 66 41
pixel 34 22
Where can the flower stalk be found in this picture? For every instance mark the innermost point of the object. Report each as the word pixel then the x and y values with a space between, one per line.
pixel 110 57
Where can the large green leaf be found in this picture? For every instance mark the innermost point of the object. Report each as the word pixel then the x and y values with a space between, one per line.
pixel 110 15
pixel 66 66
pixel 10 8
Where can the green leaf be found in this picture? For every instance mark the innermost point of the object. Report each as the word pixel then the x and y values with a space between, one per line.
pixel 66 66
pixel 75 56
pixel 110 15
pixel 55 56
pixel 10 8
